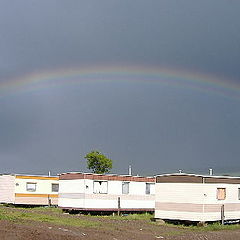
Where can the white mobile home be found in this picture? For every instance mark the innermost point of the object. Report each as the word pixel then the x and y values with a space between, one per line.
pixel 197 197
pixel 28 189
pixel 96 192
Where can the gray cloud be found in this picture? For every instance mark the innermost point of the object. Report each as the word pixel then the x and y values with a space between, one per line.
pixel 203 35
pixel 155 128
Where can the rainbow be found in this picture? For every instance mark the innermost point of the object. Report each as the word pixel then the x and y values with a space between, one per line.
pixel 73 76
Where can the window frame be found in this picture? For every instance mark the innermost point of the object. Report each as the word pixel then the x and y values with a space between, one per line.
pixel 148 184
pixel 218 193
pixel 100 181
pixel 31 189
pixel 123 184
pixel 55 184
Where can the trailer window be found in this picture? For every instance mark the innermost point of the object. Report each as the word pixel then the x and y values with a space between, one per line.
pixel 55 187
pixel 100 187
pixel 221 193
pixel 31 187
pixel 125 188
pixel 149 188
pixel 239 194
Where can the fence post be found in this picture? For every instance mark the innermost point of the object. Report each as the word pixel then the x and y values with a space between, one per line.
pixel 222 215
pixel 119 205
pixel 49 201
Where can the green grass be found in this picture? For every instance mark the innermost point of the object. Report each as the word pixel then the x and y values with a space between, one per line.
pixel 54 215
pixel 209 227
pixel 8 214
pixel 217 227
pixel 36 209
pixel 5 216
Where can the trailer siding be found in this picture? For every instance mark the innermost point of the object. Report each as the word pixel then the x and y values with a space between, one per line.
pixel 188 199
pixel 28 189
pixel 78 193
pixel 43 194
pixel 7 187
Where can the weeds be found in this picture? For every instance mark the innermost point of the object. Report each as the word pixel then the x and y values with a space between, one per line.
pixel 8 214
pixel 54 216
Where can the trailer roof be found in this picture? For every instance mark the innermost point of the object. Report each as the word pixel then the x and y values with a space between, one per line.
pixel 195 178
pixel 81 175
pixel 107 174
pixel 198 175
pixel 28 175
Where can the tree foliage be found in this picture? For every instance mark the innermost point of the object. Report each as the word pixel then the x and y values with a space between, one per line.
pixel 98 163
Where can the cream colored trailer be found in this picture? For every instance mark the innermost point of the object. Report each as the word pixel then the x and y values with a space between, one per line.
pixel 28 189
pixel 96 192
pixel 197 197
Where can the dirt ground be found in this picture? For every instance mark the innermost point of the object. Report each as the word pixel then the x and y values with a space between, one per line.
pixel 111 229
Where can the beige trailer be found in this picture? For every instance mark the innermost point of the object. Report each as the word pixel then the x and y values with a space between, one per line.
pixel 199 198
pixel 28 189
pixel 96 192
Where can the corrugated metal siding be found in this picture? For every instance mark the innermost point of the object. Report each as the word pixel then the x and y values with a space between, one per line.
pixel 196 202
pixel 179 192
pixel 176 215
pixel 31 200
pixel 36 200
pixel 54 201
pixel 106 196
pixel 79 194
pixel 7 187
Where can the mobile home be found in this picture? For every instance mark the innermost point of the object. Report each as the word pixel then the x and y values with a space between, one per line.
pixel 28 189
pixel 200 198
pixel 96 192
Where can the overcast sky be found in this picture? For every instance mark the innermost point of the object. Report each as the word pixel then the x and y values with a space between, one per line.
pixel 155 127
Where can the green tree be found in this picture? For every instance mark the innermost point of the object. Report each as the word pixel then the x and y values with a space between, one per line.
pixel 98 163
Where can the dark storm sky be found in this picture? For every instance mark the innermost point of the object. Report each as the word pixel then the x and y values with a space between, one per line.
pixel 154 127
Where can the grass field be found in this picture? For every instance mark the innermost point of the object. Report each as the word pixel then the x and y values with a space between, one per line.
pixel 138 225
pixel 44 215
pixel 51 215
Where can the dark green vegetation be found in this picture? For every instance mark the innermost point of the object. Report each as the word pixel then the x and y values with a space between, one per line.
pixel 98 163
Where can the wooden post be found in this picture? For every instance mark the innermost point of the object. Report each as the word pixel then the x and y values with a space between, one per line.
pixel 49 201
pixel 119 206
pixel 222 215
